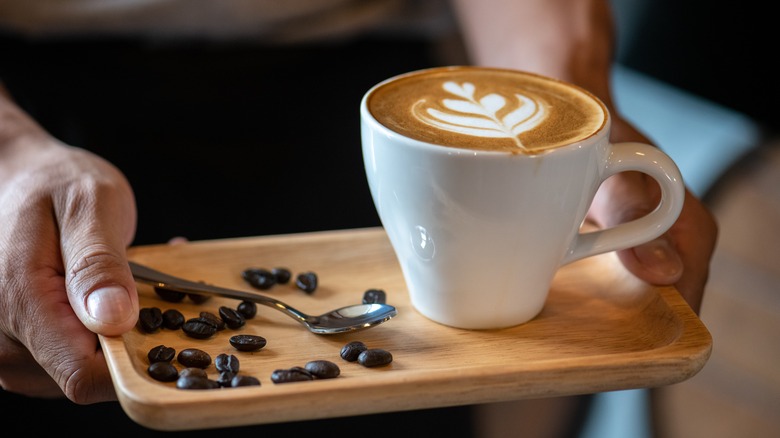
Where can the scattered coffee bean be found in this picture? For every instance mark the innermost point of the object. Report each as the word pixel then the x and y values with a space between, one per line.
pixel 374 296
pixel 282 275
pixel 294 374
pixel 247 309
pixel 374 357
pixel 323 369
pixel 172 319
pixel 259 278
pixel 352 350
pixel 216 320
pixel 193 372
pixel 226 362
pixel 247 342
pixel 307 282
pixel 195 382
pixel 163 371
pixel 161 353
pixel 225 378
pixel 172 296
pixel 243 380
pixel 231 317
pixel 193 357
pixel 199 328
pixel 150 319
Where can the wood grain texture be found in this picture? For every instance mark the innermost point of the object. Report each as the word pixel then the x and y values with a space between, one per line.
pixel 600 330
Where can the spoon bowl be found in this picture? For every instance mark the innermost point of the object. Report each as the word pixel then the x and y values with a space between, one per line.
pixel 342 320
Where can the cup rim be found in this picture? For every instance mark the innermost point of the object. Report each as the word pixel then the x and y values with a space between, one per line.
pixel 594 137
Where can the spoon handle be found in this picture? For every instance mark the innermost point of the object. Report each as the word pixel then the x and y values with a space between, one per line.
pixel 159 279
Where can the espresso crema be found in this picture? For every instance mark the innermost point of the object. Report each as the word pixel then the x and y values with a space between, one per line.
pixel 486 109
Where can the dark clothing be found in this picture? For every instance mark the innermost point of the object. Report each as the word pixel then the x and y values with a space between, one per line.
pixel 718 50
pixel 217 140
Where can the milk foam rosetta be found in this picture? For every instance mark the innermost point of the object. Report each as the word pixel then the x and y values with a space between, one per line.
pixel 486 109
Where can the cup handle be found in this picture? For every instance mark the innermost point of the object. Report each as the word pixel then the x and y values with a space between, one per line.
pixel 630 156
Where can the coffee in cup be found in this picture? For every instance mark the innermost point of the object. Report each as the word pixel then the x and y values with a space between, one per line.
pixel 487 109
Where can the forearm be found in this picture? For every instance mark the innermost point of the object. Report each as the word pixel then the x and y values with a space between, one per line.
pixel 570 40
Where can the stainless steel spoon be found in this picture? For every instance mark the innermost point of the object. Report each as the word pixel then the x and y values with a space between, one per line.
pixel 345 319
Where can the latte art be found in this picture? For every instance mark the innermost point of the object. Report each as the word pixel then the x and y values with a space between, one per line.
pixel 486 109
pixel 480 118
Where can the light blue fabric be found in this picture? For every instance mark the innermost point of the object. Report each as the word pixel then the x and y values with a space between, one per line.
pixel 704 139
pixel 619 414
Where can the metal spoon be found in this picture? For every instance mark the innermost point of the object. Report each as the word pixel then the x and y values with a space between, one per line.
pixel 345 319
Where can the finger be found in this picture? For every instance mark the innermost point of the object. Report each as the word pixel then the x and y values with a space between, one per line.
pixel 629 196
pixel 67 350
pixel 20 373
pixel 657 261
pixel 695 235
pixel 178 240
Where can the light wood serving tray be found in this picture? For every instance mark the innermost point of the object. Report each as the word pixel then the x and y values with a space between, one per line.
pixel 601 330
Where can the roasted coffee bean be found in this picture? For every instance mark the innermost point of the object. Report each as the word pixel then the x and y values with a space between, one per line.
pixel 216 320
pixel 163 371
pixel 247 342
pixel 199 328
pixel 323 369
pixel 150 319
pixel 172 319
pixel 294 374
pixel 352 350
pixel 247 309
pixel 193 357
pixel 374 357
pixel 231 317
pixel 198 298
pixel 259 278
pixel 374 296
pixel 172 296
pixel 195 382
pixel 225 378
pixel 226 362
pixel 193 372
pixel 243 380
pixel 161 353
pixel 282 275
pixel 307 282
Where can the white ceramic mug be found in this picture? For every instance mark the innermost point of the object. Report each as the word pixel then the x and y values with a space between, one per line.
pixel 480 228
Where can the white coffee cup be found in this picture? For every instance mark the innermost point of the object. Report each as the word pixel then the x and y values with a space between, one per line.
pixel 482 193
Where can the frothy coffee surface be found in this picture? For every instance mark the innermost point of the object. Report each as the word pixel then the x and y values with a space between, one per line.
pixel 486 109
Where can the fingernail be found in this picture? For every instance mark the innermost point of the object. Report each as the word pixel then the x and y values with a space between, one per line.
pixel 110 305
pixel 660 257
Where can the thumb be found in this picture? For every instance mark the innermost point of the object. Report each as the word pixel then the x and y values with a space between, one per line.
pixel 97 222
pixel 101 290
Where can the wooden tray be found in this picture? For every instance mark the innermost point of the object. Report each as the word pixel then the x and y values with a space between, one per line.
pixel 601 330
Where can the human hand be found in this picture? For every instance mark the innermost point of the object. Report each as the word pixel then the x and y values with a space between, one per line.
pixel 68 217
pixel 681 257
